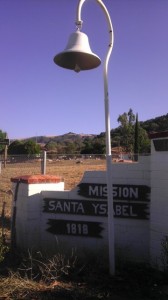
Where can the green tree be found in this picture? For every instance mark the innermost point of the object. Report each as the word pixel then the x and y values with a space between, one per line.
pixel 16 148
pixel 136 139
pixel 87 147
pixel 3 135
pixel 127 121
pixel 20 147
pixel 31 147
pixel 157 124
pixel 131 134
pixel 95 146
pixel 70 147
pixel 144 141
pixel 51 146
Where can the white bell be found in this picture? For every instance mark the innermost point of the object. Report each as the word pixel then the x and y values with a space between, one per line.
pixel 77 55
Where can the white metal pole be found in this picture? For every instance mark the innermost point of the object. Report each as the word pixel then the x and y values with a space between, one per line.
pixel 108 135
pixel 43 163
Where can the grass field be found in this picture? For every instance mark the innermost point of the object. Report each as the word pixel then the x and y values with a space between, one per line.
pixel 71 170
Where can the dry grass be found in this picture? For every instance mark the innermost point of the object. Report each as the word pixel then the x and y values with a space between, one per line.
pixel 14 285
pixel 70 170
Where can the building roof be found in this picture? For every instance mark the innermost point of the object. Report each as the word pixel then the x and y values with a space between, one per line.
pixel 161 134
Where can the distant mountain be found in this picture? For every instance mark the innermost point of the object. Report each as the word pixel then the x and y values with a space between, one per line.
pixel 153 125
pixel 67 137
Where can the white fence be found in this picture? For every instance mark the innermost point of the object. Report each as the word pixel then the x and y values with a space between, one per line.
pixel 49 217
pixel 78 218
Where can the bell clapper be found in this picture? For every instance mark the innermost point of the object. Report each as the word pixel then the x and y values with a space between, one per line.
pixel 79 24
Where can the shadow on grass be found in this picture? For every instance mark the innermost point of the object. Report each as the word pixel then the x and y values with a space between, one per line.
pixel 5 223
pixel 84 282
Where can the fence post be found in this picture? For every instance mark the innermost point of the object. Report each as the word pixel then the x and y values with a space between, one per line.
pixel 3 217
pixel 43 163
pixel 5 155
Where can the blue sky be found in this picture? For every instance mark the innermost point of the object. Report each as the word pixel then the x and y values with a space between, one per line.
pixel 40 98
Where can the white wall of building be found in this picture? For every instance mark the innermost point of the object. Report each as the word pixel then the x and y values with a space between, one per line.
pixel 159 203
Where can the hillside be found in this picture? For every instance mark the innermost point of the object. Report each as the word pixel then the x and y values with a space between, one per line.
pixel 67 137
pixel 153 125
pixel 157 124
pixel 122 136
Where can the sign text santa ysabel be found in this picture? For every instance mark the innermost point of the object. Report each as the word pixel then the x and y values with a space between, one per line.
pixel 130 201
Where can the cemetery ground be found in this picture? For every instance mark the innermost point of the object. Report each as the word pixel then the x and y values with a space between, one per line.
pixel 25 276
